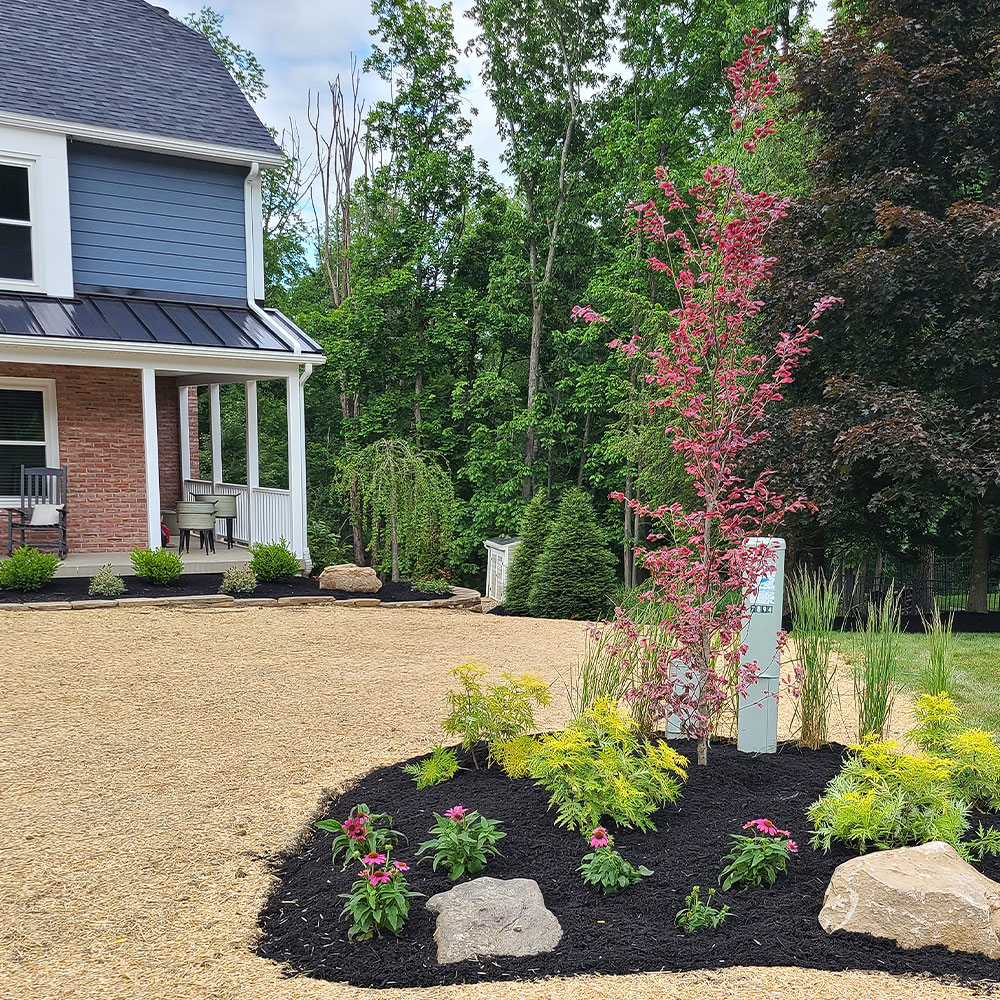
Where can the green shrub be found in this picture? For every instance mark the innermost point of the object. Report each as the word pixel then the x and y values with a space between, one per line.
pixel 159 566
pixel 325 546
pixel 462 841
pixel 700 915
pixel 431 585
pixel 514 755
pixel 238 581
pixel 106 583
pixel 273 561
pixel 495 714
pixel 27 569
pixel 883 798
pixel 599 767
pixel 574 576
pixel 533 531
pixel 439 767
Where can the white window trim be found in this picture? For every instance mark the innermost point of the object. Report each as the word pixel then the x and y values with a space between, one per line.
pixel 50 416
pixel 29 163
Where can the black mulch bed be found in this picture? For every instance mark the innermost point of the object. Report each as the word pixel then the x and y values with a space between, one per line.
pixel 74 588
pixel 632 932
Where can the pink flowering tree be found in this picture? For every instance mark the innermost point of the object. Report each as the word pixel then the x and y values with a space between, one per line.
pixel 716 380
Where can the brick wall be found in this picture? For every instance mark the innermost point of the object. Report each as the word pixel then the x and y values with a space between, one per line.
pixel 101 444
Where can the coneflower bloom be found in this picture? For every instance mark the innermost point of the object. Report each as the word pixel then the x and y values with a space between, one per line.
pixel 599 837
pixel 457 813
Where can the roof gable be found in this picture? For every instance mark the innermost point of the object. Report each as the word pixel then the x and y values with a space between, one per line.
pixel 121 64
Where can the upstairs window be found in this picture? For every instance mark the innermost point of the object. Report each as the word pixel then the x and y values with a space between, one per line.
pixel 15 224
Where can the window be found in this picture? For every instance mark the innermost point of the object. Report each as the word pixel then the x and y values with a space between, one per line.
pixel 15 225
pixel 27 431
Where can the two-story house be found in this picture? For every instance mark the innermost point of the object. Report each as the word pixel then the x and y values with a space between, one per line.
pixel 131 271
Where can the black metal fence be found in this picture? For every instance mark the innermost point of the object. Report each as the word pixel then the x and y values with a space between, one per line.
pixel 945 582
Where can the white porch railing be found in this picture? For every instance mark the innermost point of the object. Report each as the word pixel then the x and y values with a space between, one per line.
pixel 262 515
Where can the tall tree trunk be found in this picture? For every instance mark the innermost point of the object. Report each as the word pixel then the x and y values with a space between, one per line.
pixel 923 581
pixel 979 572
pixel 534 355
pixel 583 450
pixel 628 556
pixel 418 385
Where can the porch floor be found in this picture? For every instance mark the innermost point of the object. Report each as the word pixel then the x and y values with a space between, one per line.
pixel 195 561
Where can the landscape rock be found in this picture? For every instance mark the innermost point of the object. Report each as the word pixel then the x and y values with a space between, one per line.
pixel 916 896
pixel 491 916
pixel 347 576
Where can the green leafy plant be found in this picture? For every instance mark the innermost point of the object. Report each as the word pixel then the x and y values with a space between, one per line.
pixel 758 857
pixel 159 566
pixel 494 714
pixel 876 677
pixel 700 915
pixel 514 755
pixel 814 604
pixel 361 834
pixel 106 583
pixel 431 585
pixel 533 531
pixel 27 569
pixel 883 798
pixel 238 581
pixel 605 869
pixel 462 841
pixel 439 767
pixel 986 841
pixel 380 898
pixel 325 546
pixel 940 675
pixel 599 767
pixel 273 561
pixel 574 577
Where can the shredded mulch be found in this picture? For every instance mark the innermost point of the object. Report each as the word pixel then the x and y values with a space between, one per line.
pixel 630 932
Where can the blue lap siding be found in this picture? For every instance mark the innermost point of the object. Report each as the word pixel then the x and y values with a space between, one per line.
pixel 156 224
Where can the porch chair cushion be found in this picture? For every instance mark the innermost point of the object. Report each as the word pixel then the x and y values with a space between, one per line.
pixel 45 514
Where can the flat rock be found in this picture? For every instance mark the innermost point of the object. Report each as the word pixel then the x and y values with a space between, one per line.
pixel 347 576
pixel 916 896
pixel 491 916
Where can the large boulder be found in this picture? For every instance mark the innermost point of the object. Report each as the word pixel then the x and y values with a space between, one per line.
pixel 492 916
pixel 347 576
pixel 916 896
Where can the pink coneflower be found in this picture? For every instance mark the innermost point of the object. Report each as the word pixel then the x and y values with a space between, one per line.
pixel 793 847
pixel 599 838
pixel 373 858
pixel 356 827
pixel 401 866
pixel 377 877
pixel 457 813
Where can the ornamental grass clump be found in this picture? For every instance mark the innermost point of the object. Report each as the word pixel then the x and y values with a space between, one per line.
pixel 876 676
pixel 699 914
pixel 757 857
pixel 939 677
pixel 363 833
pixel 884 798
pixel 380 898
pixel 495 714
pixel 106 583
pixel 605 869
pixel 599 767
pixel 27 569
pixel 441 766
pixel 462 841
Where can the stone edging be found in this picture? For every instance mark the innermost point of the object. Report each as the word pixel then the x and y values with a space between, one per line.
pixel 462 597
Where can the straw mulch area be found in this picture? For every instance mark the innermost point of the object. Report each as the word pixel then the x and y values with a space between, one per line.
pixel 150 761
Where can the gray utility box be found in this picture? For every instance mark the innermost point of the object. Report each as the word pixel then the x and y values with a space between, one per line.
pixel 757 729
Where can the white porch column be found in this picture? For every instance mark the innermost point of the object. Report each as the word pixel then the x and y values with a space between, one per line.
pixel 152 449
pixel 215 418
pixel 184 413
pixel 253 456
pixel 296 463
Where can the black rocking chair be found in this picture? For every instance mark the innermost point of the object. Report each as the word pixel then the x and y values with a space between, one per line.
pixel 43 507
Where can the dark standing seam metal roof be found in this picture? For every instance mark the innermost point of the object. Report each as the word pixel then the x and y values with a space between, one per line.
pixel 117 319
pixel 121 64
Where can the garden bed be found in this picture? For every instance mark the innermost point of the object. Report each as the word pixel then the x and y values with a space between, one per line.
pixel 300 923
pixel 74 588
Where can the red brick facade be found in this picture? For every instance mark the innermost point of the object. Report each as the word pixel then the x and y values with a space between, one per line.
pixel 101 444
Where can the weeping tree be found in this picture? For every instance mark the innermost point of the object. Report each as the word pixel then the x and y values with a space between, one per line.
pixel 406 505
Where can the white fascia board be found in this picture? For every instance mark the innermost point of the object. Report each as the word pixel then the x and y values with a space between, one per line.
pixel 103 354
pixel 143 140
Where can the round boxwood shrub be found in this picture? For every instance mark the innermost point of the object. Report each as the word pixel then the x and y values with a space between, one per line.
pixel 533 531
pixel 27 569
pixel 574 577
pixel 273 561
pixel 159 566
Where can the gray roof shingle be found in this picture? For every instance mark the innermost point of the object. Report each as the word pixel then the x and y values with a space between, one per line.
pixel 121 64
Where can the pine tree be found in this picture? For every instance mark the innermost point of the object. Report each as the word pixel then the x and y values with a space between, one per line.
pixel 574 577
pixel 534 530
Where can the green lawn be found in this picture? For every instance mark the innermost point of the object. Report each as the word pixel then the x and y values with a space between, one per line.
pixel 977 671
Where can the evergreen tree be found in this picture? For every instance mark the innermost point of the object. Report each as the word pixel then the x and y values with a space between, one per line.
pixel 534 530
pixel 574 577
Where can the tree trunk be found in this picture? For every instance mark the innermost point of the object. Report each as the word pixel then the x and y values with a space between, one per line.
pixel 628 556
pixel 702 753
pixel 923 582
pixel 979 572
pixel 583 450
pixel 533 363
pixel 418 386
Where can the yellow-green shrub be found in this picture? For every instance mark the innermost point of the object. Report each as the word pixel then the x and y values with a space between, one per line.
pixel 884 798
pixel 514 755
pixel 599 768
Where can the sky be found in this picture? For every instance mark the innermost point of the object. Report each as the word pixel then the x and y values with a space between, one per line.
pixel 302 44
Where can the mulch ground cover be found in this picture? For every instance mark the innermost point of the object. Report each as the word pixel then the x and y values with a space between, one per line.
pixel 74 588
pixel 300 923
